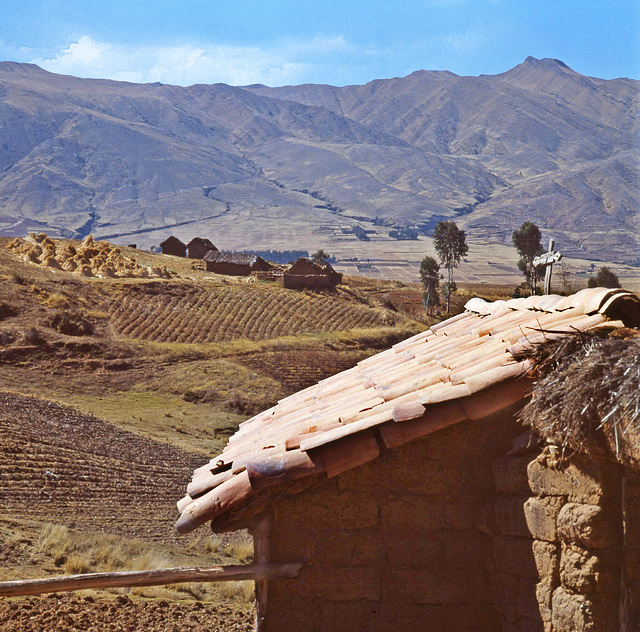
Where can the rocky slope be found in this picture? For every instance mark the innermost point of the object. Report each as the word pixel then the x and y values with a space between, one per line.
pixel 250 167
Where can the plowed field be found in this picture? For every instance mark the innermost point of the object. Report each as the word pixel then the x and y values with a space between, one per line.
pixel 77 470
pixel 221 313
pixel 65 613
pixel 157 373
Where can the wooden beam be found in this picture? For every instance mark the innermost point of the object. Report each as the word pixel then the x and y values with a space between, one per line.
pixel 261 549
pixel 158 577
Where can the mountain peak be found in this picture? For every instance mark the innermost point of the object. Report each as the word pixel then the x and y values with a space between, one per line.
pixel 545 62
pixel 533 69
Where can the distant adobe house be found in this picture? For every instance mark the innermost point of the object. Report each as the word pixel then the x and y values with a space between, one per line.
pixel 235 263
pixel 198 247
pixel 308 274
pixel 417 500
pixel 173 246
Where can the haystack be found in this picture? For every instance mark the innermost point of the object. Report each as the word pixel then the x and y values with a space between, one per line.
pixel 89 258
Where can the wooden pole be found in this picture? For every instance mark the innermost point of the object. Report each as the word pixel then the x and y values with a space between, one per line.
pixel 149 578
pixel 547 260
pixel 261 544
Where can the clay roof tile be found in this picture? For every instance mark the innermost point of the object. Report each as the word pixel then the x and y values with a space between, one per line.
pixel 462 368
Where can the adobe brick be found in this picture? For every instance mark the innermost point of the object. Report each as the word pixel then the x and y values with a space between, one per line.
pixel 509 514
pixel 589 525
pixel 541 515
pixel 547 559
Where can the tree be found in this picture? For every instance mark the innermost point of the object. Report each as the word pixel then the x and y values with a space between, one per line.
pixel 528 242
pixel 430 277
pixel 605 278
pixel 321 255
pixel 451 245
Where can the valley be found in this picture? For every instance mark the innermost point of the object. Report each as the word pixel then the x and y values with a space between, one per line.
pixel 316 166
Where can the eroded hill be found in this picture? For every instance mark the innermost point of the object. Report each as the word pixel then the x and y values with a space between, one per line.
pixel 322 166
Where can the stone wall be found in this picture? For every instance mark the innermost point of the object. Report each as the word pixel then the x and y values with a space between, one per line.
pixel 401 543
pixel 572 521
pixel 516 562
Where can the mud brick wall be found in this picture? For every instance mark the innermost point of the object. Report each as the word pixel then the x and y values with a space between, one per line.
pixel 400 543
pixel 630 572
pixel 515 576
pixel 575 519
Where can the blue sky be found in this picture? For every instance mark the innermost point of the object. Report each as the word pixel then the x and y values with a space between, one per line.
pixel 280 42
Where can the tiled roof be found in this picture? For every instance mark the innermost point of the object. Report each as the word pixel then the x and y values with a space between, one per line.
pixel 237 258
pixel 462 368
pixel 306 266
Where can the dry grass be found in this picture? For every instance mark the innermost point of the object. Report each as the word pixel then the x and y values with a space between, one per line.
pixel 88 258
pixel 80 552
pixel 243 591
pixel 58 549
pixel 587 397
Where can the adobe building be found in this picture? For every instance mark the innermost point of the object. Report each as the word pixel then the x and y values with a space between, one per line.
pixel 419 494
pixel 198 247
pixel 173 246
pixel 235 263
pixel 313 275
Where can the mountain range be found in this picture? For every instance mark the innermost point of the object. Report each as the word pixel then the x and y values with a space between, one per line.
pixel 311 165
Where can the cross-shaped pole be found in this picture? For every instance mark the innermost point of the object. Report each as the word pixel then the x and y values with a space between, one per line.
pixel 547 260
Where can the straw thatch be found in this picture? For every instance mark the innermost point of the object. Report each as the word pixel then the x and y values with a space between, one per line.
pixel 587 396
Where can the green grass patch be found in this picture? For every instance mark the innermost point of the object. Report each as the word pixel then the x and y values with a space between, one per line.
pixel 167 418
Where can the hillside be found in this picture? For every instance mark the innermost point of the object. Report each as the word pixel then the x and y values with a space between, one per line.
pixel 120 371
pixel 259 167
pixel 169 335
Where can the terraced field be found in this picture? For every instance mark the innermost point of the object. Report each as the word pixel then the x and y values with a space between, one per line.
pixel 74 469
pixel 299 369
pixel 231 312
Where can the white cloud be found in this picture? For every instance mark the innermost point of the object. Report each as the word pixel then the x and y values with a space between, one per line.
pixel 469 40
pixel 288 61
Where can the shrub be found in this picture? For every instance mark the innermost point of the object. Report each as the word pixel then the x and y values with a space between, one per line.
pixel 57 301
pixel 190 396
pixel 605 278
pixel 71 324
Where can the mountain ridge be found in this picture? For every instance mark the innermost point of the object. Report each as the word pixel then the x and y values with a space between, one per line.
pixel 539 142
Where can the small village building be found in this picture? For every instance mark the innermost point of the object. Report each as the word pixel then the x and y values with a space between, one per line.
pixel 314 275
pixel 419 494
pixel 235 263
pixel 198 247
pixel 173 246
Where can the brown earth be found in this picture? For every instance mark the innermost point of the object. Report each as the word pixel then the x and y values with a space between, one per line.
pixel 61 467
pixel 67 613
pixel 112 390
pixel 75 469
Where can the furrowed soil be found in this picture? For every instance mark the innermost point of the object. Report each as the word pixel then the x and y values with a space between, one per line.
pixel 119 374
